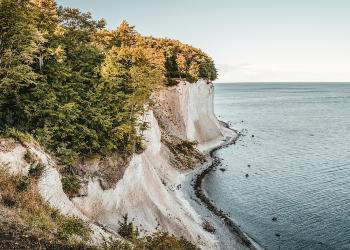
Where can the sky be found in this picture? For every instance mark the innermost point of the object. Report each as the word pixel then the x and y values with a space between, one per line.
pixel 249 40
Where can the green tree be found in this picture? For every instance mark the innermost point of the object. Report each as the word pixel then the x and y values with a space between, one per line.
pixel 79 88
pixel 132 72
pixel 20 42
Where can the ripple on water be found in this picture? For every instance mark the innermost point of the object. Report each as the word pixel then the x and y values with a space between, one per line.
pixel 300 163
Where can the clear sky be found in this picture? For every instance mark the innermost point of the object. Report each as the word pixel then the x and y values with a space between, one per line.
pixel 250 40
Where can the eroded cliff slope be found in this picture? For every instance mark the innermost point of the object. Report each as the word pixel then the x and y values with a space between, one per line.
pixel 182 122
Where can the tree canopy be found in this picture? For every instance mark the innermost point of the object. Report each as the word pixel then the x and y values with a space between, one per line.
pixel 78 87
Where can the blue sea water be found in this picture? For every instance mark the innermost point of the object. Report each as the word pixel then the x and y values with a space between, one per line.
pixel 299 162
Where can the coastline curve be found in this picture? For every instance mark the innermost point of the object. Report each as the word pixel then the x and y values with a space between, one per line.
pixel 214 161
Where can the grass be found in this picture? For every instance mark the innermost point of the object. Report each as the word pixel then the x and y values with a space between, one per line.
pixel 73 226
pixel 19 194
pixel 162 241
pixel 156 241
pixel 39 226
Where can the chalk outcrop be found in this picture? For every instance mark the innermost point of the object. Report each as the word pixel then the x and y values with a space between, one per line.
pixel 148 191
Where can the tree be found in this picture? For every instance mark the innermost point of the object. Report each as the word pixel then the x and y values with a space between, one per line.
pixel 181 65
pixel 20 41
pixel 47 16
pixel 133 71
pixel 79 88
pixel 126 34
pixel 47 21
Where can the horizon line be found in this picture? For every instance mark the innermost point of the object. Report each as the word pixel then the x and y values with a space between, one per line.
pixel 283 82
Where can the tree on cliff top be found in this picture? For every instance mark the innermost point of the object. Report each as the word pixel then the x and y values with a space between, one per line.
pixel 78 87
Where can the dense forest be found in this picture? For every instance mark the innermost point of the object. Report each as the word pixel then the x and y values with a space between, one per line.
pixel 77 87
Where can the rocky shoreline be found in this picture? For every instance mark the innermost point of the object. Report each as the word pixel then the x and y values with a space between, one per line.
pixel 214 162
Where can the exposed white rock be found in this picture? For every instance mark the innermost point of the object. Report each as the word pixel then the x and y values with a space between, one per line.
pixel 141 193
pixel 147 192
pixel 192 107
pixel 12 155
pixel 49 185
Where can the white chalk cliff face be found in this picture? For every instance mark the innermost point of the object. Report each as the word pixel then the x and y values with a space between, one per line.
pixel 147 192
pixel 192 109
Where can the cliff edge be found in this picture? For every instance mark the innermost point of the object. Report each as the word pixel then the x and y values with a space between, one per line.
pixel 181 122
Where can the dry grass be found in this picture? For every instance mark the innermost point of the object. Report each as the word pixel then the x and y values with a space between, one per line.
pixel 19 194
pixel 156 241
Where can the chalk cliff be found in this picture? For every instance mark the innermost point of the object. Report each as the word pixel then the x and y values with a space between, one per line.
pixel 149 191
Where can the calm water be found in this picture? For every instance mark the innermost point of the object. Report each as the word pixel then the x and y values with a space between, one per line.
pixel 300 163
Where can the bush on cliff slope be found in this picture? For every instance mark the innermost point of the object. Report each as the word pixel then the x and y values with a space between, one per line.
pixel 156 241
pixel 78 87
pixel 28 222
pixel 25 214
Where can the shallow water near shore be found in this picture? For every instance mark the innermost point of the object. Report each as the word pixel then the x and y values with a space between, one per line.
pixel 296 152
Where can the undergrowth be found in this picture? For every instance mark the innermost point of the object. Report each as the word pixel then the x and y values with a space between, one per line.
pixel 185 154
pixel 70 184
pixel 156 241
pixel 38 224
pixel 20 195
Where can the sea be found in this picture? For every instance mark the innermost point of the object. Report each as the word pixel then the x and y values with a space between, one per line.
pixel 286 181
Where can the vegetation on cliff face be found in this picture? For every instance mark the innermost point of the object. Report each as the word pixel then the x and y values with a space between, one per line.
pixel 77 87
pixel 79 90
pixel 28 222
pixel 156 241
pixel 26 217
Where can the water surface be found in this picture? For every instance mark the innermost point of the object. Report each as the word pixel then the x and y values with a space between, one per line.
pixel 299 162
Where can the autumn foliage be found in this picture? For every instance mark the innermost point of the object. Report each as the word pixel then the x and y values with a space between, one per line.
pixel 78 87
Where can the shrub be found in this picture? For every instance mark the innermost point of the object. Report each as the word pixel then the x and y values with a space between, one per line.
pixel 161 240
pixel 8 200
pixel 185 154
pixel 22 183
pixel 187 245
pixel 127 229
pixel 29 157
pixel 186 146
pixel 73 226
pixel 36 169
pixel 156 241
pixel 171 82
pixel 114 244
pixel 66 156
pixel 140 147
pixel 70 184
